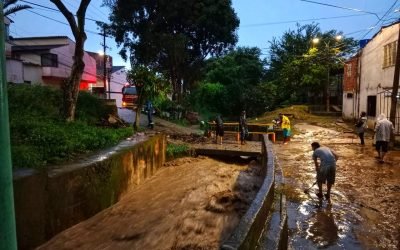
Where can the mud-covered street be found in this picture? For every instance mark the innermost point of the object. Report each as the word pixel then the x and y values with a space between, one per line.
pixel 192 203
pixel 365 203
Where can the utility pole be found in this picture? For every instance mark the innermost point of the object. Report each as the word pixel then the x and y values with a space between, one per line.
pixel 106 87
pixel 8 238
pixel 395 89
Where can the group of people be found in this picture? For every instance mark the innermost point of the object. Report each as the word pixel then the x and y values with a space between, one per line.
pixel 219 128
pixel 383 131
pixel 326 167
pixel 283 122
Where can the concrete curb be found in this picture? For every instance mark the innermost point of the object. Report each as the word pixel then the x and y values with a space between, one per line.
pixel 252 224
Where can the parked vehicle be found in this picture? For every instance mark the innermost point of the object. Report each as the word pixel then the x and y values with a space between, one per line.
pixel 129 97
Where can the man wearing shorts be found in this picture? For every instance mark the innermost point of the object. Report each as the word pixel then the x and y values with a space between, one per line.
pixel 326 169
pixel 383 130
pixel 219 129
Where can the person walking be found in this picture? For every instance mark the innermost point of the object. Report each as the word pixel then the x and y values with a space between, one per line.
pixel 326 168
pixel 361 126
pixel 285 125
pixel 243 127
pixel 150 109
pixel 219 129
pixel 383 130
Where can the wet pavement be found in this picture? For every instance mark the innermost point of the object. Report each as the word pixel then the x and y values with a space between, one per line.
pixel 364 212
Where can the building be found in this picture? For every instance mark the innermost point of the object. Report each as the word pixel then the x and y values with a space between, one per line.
pixel 102 85
pixel 54 56
pixel 350 88
pixel 369 75
pixel 117 81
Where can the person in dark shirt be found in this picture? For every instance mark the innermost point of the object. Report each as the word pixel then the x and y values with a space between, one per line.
pixel 243 127
pixel 219 129
pixel 150 109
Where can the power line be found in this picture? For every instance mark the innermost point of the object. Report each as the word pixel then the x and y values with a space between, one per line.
pixel 302 20
pixel 341 7
pixel 57 10
pixel 61 22
pixel 380 19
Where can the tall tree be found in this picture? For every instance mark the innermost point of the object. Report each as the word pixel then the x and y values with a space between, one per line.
pixel 148 85
pixel 300 67
pixel 71 85
pixel 173 37
pixel 231 82
pixel 11 7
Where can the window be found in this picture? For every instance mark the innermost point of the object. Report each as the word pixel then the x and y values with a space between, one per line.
pixel 49 60
pixel 389 54
pixel 348 70
pixel 349 95
pixel 371 105
pixel 7 31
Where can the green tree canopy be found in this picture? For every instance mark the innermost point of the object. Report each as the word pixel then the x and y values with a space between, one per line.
pixel 299 68
pixel 233 83
pixel 175 36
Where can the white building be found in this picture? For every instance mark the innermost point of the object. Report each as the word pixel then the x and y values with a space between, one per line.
pixel 117 81
pixel 54 55
pixel 374 80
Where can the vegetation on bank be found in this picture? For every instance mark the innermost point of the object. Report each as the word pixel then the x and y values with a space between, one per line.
pixel 39 135
pixel 177 150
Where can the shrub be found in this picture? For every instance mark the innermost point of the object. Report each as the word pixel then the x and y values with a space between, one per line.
pixel 177 150
pixel 40 137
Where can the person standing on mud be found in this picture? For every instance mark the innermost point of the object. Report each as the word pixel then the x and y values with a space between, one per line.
pixel 243 127
pixel 326 169
pixel 383 130
pixel 150 109
pixel 285 125
pixel 219 129
pixel 361 126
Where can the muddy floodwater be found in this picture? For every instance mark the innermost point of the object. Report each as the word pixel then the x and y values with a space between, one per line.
pixel 192 203
pixel 364 212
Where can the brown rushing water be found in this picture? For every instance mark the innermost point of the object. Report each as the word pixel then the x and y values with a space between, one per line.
pixel 365 208
pixel 195 203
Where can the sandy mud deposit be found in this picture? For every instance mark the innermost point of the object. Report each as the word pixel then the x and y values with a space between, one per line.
pixel 192 203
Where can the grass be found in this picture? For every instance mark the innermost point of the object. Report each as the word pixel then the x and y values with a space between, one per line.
pixel 39 135
pixel 177 150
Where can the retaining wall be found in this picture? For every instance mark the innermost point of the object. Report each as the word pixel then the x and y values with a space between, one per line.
pixel 248 233
pixel 49 202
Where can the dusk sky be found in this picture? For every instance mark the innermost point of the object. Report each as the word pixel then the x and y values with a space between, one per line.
pixel 260 20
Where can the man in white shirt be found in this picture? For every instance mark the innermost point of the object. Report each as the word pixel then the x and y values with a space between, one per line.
pixel 383 130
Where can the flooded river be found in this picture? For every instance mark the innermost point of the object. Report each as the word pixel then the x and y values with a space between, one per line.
pixel 193 203
pixel 364 212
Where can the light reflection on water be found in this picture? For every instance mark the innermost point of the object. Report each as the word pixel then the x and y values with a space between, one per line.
pixel 364 205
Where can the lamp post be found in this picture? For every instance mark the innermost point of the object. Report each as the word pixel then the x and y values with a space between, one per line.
pixel 315 41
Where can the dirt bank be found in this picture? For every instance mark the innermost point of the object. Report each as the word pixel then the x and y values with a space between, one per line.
pixel 193 203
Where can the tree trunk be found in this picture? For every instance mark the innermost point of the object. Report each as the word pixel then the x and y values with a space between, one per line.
pixel 71 85
pixel 141 97
pixel 395 89
pixel 327 96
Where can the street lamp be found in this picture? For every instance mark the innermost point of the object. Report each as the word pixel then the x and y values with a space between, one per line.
pixel 315 41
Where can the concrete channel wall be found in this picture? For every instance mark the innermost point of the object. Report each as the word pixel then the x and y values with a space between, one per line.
pixel 260 227
pixel 48 202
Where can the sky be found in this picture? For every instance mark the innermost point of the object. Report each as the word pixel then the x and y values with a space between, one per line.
pixel 260 20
